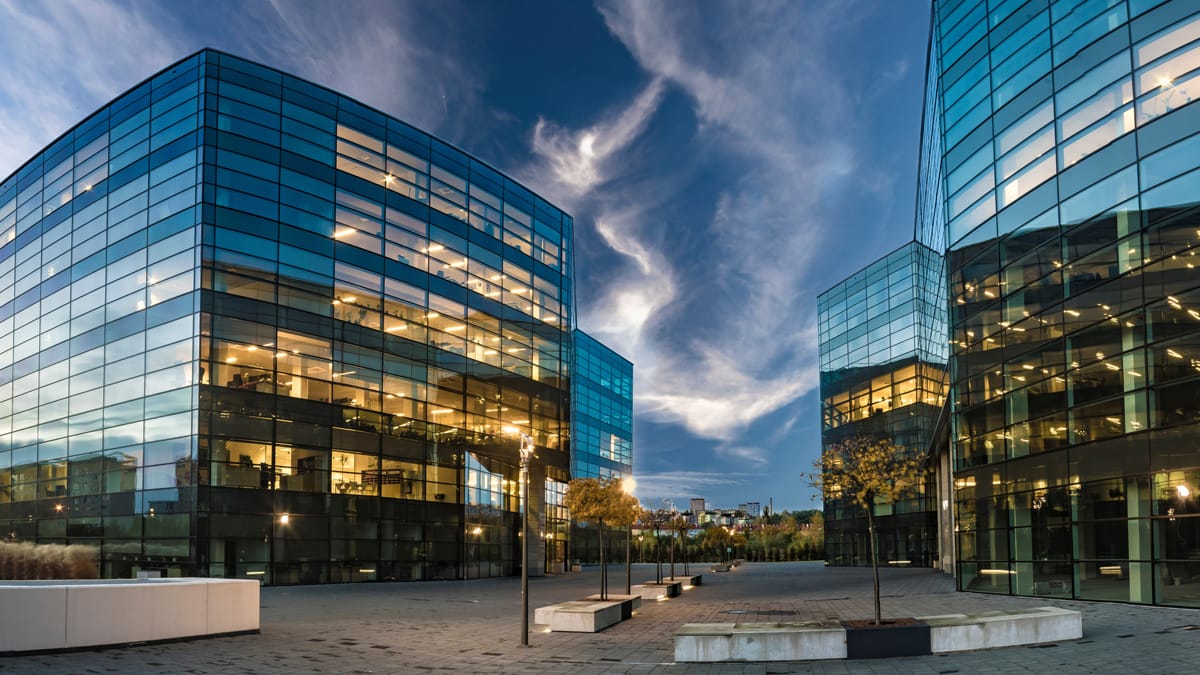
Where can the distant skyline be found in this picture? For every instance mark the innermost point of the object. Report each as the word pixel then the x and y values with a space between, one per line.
pixel 725 162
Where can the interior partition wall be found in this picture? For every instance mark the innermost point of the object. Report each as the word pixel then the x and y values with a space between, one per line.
pixel 1068 153
pixel 252 328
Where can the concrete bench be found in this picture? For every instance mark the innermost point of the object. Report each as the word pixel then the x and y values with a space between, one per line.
pixel 654 591
pixel 984 630
pixel 721 567
pixel 788 641
pixel 688 581
pixel 78 614
pixel 826 639
pixel 580 616
pixel 628 602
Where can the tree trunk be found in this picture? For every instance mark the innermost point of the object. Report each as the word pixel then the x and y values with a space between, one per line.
pixel 673 555
pixel 874 561
pixel 604 567
pixel 657 557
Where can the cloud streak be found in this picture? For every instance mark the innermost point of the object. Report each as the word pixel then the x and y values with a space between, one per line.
pixel 652 487
pixel 769 112
pixel 579 160
pixel 64 59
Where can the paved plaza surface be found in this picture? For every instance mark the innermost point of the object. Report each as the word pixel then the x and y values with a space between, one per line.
pixel 474 626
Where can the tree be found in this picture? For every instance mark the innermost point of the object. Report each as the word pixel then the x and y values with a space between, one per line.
pixel 595 501
pixel 627 511
pixel 864 471
pixel 657 520
pixel 717 539
pixel 679 525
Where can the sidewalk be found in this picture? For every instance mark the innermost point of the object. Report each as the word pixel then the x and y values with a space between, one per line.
pixel 473 626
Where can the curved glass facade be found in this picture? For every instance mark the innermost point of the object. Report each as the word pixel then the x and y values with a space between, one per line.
pixel 1067 149
pixel 250 327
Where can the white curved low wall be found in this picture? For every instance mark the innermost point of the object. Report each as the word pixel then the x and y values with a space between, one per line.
pixel 41 615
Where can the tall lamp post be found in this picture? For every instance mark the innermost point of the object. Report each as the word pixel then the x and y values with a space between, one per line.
pixel 670 503
pixel 628 486
pixel 526 454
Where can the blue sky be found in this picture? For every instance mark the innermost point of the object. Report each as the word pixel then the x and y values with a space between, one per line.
pixel 725 163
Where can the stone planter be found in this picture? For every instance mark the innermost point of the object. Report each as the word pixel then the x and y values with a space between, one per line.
pixel 893 637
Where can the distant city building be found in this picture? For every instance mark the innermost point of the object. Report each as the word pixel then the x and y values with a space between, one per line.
pixel 752 509
pixel 697 505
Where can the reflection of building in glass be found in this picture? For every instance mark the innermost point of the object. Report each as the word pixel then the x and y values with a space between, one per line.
pixel 250 327
pixel 1063 139
pixel 882 377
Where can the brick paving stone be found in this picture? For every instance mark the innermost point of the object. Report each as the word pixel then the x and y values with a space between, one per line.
pixel 473 627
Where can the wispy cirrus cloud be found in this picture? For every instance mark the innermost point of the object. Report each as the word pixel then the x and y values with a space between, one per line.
pixel 578 160
pixel 654 486
pixel 716 311
pixel 64 59
pixel 404 58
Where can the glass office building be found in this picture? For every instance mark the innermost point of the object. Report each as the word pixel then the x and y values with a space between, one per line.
pixel 252 328
pixel 883 376
pixel 601 434
pixel 1063 137
pixel 602 411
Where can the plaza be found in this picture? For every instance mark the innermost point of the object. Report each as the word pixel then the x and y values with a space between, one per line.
pixel 472 626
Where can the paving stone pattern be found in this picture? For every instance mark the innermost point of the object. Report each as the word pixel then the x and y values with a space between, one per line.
pixel 473 627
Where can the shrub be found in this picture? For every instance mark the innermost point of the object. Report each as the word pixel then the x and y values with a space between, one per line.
pixel 22 561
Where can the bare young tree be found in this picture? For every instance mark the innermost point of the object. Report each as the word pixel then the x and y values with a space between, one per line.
pixel 680 527
pixel 866 471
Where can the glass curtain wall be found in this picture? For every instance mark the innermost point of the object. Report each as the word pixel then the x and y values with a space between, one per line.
pixel 602 422
pixel 1068 154
pixel 252 328
pixel 882 376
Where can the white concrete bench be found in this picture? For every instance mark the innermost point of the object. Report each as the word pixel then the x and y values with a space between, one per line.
pixel 628 602
pixel 985 630
pixel 75 614
pixel 789 641
pixel 655 591
pixel 721 567
pixel 580 616
pixel 826 639
pixel 687 582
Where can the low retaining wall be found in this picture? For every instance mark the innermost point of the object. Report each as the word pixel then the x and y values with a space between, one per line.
pixel 826 639
pixel 70 615
pixel 786 641
pixel 985 630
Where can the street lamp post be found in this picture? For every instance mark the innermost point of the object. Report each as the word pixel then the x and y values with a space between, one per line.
pixel 628 485
pixel 673 531
pixel 526 454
